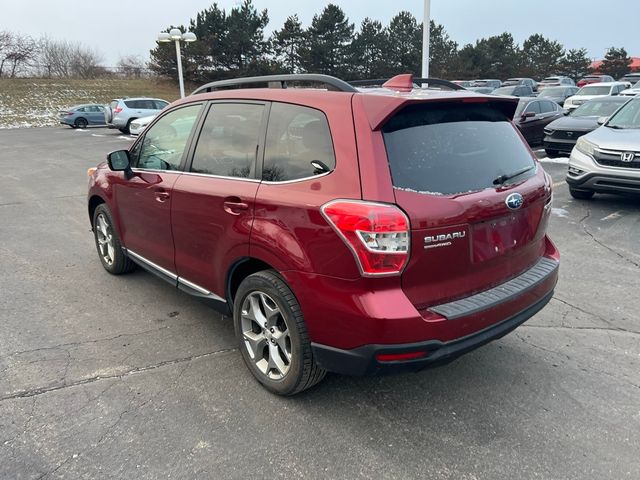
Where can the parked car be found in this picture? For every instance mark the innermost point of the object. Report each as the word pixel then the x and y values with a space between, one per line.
pixel 121 112
pixel 589 79
pixel 555 82
pixel 253 199
pixel 593 91
pixel 558 94
pixel 607 160
pixel 137 126
pixel 530 82
pixel 491 82
pixel 562 134
pixel 632 78
pixel 517 91
pixel 81 116
pixel 633 91
pixel 533 115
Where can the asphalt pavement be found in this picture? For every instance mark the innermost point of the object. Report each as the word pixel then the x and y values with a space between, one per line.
pixel 126 378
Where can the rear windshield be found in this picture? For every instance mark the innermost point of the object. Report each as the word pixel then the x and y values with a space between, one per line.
pixel 594 90
pixel 452 149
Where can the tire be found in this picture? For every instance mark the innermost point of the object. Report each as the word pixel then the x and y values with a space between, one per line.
pixel 108 243
pixel 81 123
pixel 551 153
pixel 127 129
pixel 581 194
pixel 272 336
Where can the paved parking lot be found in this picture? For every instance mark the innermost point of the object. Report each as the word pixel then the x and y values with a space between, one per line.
pixel 124 377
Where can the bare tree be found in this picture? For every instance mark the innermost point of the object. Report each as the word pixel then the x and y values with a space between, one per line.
pixel 60 58
pixel 22 49
pixel 131 66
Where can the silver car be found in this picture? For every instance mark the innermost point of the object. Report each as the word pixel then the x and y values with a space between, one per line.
pixel 607 160
pixel 122 111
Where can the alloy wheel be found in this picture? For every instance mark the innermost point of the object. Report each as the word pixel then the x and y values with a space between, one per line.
pixel 266 335
pixel 104 236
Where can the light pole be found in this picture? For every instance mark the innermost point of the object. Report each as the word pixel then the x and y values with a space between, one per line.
pixel 177 36
pixel 426 28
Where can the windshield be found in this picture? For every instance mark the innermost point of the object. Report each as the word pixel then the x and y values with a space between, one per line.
pixel 627 117
pixel 637 85
pixel 450 149
pixel 553 92
pixel 596 108
pixel 593 90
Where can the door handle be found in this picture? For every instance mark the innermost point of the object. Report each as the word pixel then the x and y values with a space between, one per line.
pixel 162 195
pixel 235 208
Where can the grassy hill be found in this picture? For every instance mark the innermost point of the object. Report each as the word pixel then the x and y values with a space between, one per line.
pixel 35 102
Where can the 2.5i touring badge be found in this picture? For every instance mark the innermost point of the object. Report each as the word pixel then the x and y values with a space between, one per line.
pixel 443 240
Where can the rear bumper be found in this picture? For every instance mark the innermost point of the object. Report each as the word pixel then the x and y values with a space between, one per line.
pixel 364 360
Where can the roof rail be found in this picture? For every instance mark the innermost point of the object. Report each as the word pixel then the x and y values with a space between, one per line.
pixel 278 81
pixel 379 82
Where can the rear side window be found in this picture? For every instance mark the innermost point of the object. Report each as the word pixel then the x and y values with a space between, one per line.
pixel 159 104
pixel 296 137
pixel 228 142
pixel 447 149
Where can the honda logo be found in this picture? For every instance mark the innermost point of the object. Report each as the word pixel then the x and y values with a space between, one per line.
pixel 627 156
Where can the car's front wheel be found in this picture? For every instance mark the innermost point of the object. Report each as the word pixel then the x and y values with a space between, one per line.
pixel 108 243
pixel 272 335
pixel 581 194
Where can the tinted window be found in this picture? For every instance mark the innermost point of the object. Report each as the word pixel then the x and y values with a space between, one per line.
pixel 164 143
pixel 547 107
pixel 450 149
pixel 159 104
pixel 296 136
pixel 228 142
pixel 533 107
pixel 81 109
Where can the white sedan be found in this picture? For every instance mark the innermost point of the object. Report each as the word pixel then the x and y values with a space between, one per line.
pixel 139 124
pixel 588 92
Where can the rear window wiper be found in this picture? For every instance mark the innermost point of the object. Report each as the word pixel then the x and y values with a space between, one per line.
pixel 508 176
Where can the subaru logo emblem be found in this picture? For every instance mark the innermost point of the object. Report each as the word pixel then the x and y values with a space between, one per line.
pixel 514 201
pixel 627 156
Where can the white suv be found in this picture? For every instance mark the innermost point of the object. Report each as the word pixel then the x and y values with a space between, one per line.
pixel 589 92
pixel 122 111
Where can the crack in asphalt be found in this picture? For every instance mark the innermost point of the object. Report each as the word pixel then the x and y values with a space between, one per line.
pixel 63 346
pixel 604 245
pixel 567 327
pixel 42 390
pixel 595 315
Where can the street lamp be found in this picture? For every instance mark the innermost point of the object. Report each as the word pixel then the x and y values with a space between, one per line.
pixel 175 35
pixel 426 28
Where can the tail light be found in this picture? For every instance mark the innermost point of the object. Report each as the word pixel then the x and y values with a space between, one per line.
pixel 68 114
pixel 377 234
pixel 117 110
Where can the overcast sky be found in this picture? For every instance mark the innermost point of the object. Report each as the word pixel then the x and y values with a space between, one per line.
pixel 119 27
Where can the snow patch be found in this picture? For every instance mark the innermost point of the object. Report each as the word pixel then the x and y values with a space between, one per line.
pixel 560 212
pixel 559 161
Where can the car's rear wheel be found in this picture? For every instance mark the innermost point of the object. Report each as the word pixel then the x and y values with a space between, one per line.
pixel 108 243
pixel 581 194
pixel 127 129
pixel 551 153
pixel 81 122
pixel 272 335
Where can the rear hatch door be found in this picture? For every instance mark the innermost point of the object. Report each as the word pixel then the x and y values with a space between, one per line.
pixel 476 198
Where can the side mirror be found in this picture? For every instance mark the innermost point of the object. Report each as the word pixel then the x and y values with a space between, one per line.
pixel 602 120
pixel 566 112
pixel 528 115
pixel 119 162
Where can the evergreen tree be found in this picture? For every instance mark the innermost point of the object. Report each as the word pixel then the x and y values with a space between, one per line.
pixel 575 63
pixel 493 57
pixel 443 52
pixel 287 43
pixel 616 63
pixel 368 51
pixel 329 40
pixel 540 57
pixel 245 46
pixel 405 46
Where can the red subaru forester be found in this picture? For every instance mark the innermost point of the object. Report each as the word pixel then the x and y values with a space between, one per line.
pixel 358 230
